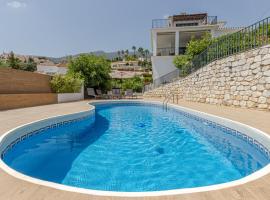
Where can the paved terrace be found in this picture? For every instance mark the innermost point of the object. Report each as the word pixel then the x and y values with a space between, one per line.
pixel 15 189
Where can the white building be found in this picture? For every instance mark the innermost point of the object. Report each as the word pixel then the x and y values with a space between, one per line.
pixel 170 37
pixel 125 65
pixel 52 69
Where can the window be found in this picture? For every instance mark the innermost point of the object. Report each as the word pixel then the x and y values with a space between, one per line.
pixel 186 24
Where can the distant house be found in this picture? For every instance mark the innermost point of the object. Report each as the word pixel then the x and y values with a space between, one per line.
pixel 116 74
pixel 170 38
pixel 125 65
pixel 52 69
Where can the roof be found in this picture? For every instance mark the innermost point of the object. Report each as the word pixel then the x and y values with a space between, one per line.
pixel 124 74
pixel 124 62
pixel 189 17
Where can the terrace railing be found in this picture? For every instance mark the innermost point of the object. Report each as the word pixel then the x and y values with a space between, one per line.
pixel 168 51
pixel 163 80
pixel 251 37
pixel 165 23
pixel 160 23
pixel 211 20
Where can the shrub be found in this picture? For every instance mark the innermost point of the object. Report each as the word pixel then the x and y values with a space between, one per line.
pixel 29 65
pixel 136 83
pixel 13 62
pixel 66 84
pixel 194 47
pixel 181 62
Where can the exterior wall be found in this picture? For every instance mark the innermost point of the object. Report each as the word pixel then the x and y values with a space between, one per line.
pixel 51 70
pixel 162 65
pixel 15 82
pixel 12 101
pixel 69 97
pixel 242 80
pixel 24 89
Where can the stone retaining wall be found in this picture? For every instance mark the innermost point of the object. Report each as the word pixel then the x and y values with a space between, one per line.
pixel 242 80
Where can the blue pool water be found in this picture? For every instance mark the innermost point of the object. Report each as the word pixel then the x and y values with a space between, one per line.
pixel 136 147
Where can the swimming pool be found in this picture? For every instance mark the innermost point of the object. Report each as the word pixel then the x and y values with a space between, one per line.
pixel 136 147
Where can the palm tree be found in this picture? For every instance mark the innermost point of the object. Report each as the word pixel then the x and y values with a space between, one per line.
pixel 119 55
pixel 134 50
pixel 141 51
pixel 146 51
pixel 122 52
pixel 127 52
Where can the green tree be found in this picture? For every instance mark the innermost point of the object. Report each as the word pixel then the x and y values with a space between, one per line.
pixel 93 69
pixel 29 65
pixel 13 62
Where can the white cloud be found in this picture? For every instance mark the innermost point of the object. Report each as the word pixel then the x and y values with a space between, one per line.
pixel 16 4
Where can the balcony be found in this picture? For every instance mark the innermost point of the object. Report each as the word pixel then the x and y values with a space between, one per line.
pixel 166 23
pixel 161 23
pixel 168 51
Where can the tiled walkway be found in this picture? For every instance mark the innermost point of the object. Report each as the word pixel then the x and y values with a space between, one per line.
pixel 15 189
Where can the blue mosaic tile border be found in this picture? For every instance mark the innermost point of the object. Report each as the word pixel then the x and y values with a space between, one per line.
pixel 247 139
pixel 35 132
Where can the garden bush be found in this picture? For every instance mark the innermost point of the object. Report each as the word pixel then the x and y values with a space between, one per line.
pixel 71 83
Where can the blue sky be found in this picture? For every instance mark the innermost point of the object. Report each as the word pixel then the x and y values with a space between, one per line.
pixel 64 27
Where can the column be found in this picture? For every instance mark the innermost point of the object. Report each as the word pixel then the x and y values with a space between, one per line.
pixel 177 43
pixel 154 35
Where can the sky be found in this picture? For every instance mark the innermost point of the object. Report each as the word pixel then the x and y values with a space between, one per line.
pixel 63 27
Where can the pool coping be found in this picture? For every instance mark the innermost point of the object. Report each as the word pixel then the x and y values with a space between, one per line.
pixel 260 136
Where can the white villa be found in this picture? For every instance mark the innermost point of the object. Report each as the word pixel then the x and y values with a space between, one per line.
pixel 52 69
pixel 171 36
pixel 125 65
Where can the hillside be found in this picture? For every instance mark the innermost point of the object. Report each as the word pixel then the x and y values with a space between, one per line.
pixel 108 55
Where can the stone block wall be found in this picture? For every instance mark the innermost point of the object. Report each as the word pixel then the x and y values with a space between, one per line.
pixel 241 80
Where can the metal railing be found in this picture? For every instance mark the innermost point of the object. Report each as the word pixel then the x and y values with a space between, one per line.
pixel 165 23
pixel 211 20
pixel 168 51
pixel 248 38
pixel 161 23
pixel 163 80
pixel 168 97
